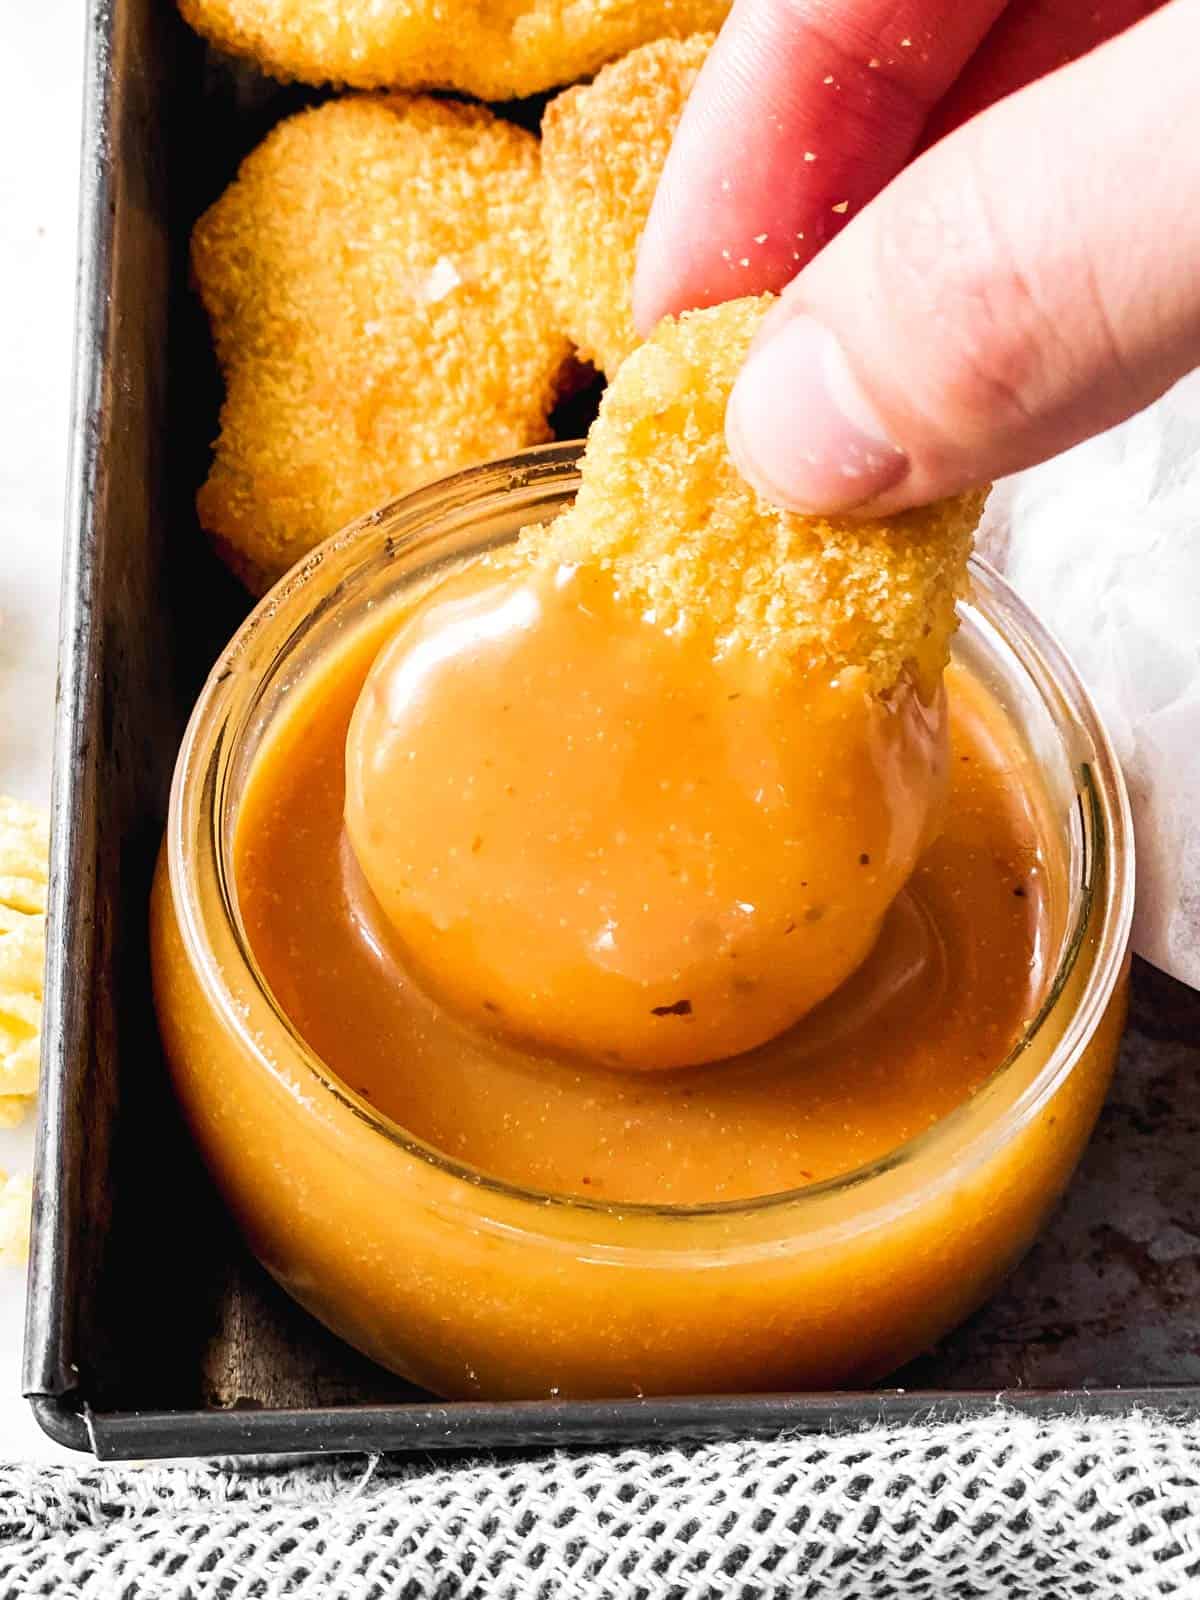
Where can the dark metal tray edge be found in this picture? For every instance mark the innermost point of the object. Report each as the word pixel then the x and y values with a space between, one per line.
pixel 48 1377
pixel 541 1425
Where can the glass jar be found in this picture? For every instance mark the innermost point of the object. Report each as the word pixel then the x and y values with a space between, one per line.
pixel 470 1286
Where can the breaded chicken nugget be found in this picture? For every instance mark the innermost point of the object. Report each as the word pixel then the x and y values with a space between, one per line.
pixel 16 1216
pixel 603 148
pixel 663 509
pixel 495 51
pixel 24 871
pixel 374 282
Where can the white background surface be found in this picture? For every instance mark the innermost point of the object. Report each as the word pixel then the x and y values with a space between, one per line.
pixel 41 46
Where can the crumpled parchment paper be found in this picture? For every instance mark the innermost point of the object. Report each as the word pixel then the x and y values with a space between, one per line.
pixel 1104 544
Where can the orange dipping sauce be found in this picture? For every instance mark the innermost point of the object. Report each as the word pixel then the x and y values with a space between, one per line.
pixel 498 1213
pixel 766 796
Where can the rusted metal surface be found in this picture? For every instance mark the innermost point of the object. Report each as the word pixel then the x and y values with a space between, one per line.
pixel 1109 1295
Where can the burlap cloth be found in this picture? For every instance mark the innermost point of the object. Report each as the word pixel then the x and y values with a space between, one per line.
pixel 1003 1507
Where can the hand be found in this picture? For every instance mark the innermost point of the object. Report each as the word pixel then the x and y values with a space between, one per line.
pixel 1032 278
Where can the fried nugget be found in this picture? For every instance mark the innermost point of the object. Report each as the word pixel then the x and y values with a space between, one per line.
pixel 497 52
pixel 662 508
pixel 603 148
pixel 24 872
pixel 16 1214
pixel 374 280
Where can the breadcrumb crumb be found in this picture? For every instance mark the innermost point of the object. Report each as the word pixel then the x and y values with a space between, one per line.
pixel 374 280
pixel 603 149
pixel 24 871
pixel 662 508
pixel 497 52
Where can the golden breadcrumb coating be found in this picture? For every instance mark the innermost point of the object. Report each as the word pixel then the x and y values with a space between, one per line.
pixel 24 872
pixel 495 49
pixel 374 279
pixel 664 511
pixel 603 147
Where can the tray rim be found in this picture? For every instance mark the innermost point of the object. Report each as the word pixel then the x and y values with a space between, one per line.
pixel 450 1427
pixel 46 1368
pixel 50 1381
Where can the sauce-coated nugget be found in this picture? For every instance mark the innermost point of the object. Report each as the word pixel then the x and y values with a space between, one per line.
pixel 374 282
pixel 663 509
pixel 496 51
pixel 603 148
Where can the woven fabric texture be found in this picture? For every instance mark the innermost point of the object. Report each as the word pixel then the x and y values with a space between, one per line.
pixel 1004 1507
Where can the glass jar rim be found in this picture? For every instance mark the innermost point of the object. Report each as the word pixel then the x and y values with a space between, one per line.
pixel 398 526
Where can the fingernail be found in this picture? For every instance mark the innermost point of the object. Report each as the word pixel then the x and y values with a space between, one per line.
pixel 800 429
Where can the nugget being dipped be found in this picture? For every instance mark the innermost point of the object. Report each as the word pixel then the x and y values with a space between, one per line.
pixel 604 145
pixel 643 788
pixel 374 282
pixel 496 52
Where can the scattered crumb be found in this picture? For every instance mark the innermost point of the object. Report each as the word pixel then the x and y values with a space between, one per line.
pixel 841 207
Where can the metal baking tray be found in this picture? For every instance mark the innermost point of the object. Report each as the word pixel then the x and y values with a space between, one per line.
pixel 150 1331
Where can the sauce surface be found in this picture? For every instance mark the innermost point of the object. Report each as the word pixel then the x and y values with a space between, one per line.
pixel 944 994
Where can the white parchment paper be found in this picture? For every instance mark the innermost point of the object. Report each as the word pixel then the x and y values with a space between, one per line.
pixel 1104 544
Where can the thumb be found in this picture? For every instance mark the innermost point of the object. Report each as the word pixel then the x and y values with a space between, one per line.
pixel 1029 281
